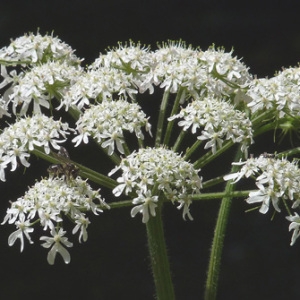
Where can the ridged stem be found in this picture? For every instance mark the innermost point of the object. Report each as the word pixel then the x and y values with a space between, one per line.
pixel 218 239
pixel 159 258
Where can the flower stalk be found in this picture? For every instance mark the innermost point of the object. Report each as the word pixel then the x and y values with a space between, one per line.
pixel 218 240
pixel 161 118
pixel 159 257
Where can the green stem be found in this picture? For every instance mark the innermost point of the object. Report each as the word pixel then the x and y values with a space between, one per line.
pixel 192 149
pixel 290 152
pixel 263 129
pixel 198 197
pixel 74 112
pixel 159 258
pixel 179 96
pixel 213 182
pixel 126 148
pixel 161 118
pixel 120 204
pixel 84 171
pixel 141 143
pixel 180 138
pixel 218 240
pixel 261 118
pixel 220 195
pixel 209 156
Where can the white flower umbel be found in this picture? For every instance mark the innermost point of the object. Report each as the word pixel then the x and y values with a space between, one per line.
pixel 131 59
pixel 155 172
pixel 228 71
pixel 100 85
pixel 107 121
pixel 47 202
pixel 18 139
pixel 218 121
pixel 41 84
pixel 212 71
pixel 33 48
pixel 276 179
pixel 280 93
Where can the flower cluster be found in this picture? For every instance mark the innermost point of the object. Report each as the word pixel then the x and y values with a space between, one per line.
pixel 106 122
pixel 47 202
pixel 130 69
pixel 280 93
pixel 99 84
pixel 155 172
pixel 33 48
pixel 41 84
pixel 132 59
pixel 276 179
pixel 220 121
pixel 212 71
pixel 104 99
pixel 18 139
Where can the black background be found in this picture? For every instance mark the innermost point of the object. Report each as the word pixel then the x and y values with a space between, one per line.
pixel 258 262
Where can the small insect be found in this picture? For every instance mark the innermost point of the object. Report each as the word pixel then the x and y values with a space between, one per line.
pixel 66 168
pixel 268 155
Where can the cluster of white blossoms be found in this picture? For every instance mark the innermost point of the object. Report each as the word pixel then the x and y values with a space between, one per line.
pixel 280 93
pixel 106 122
pixel 134 60
pixel 32 48
pixel 219 121
pixel 277 180
pixel 132 69
pixel 123 71
pixel 41 84
pixel 152 173
pixel 119 72
pixel 20 138
pixel 219 99
pixel 100 85
pixel 211 71
pixel 47 203
pixel 52 66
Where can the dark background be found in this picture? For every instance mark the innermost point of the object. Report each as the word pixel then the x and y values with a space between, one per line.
pixel 258 262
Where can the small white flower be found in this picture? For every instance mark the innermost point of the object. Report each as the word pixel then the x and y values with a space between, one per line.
pixel 295 225
pixel 57 241
pixel 81 223
pixel 265 196
pixel 23 229
pixel 147 207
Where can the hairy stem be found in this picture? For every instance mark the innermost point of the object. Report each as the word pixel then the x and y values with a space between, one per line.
pixel 159 258
pixel 161 118
pixel 180 95
pixel 218 240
